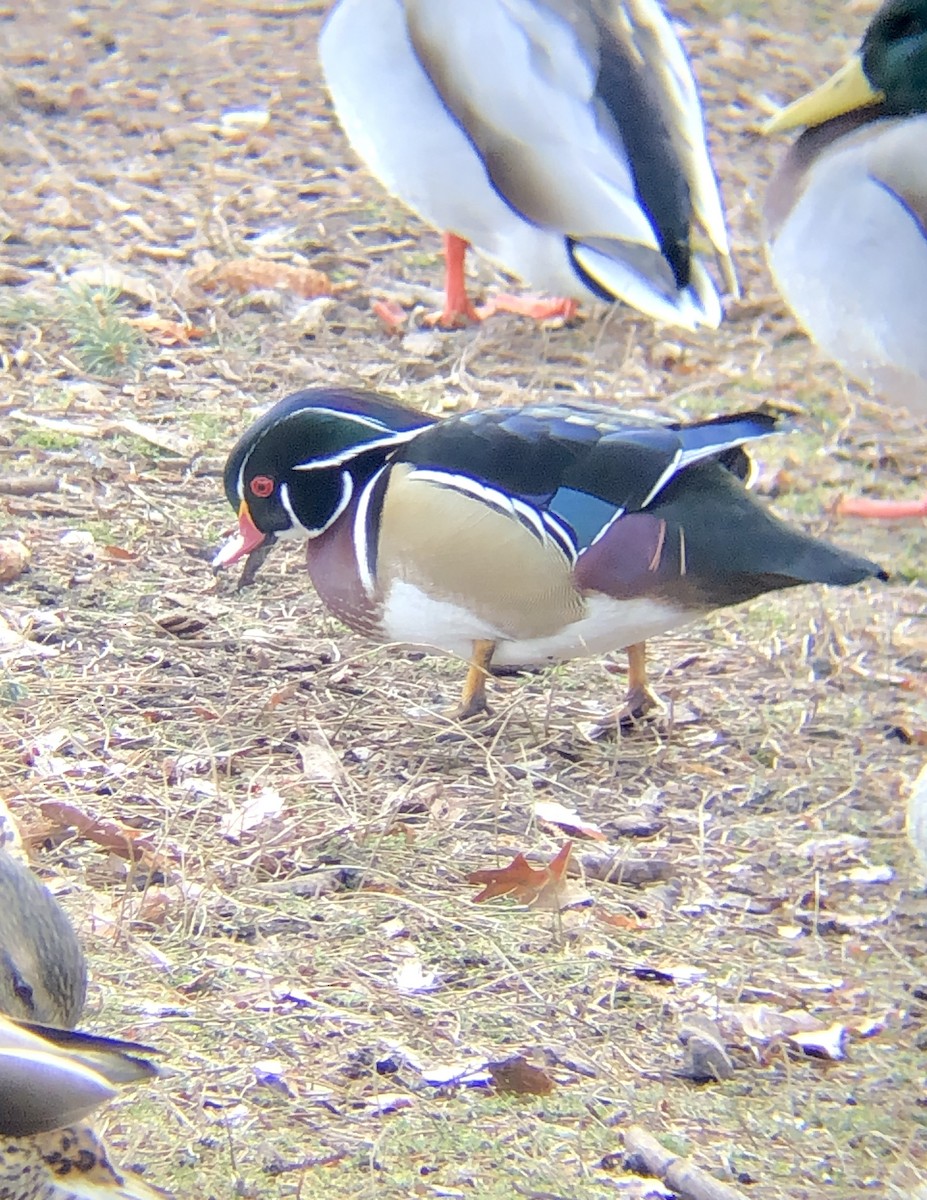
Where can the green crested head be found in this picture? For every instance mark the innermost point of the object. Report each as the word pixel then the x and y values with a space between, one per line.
pixel 294 471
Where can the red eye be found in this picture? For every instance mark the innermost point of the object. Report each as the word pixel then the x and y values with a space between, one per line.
pixel 261 485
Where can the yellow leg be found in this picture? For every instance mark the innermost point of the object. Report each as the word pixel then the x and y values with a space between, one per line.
pixel 640 699
pixel 473 699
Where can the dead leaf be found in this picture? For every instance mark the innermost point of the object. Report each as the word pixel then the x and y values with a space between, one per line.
pixel 11 841
pixel 168 333
pixel 464 1073
pixel 567 820
pixel 12 276
pixel 423 343
pixel 827 1043
pixel 120 554
pixel 910 637
pixel 908 733
pixel 669 973
pixel 14 558
pixel 13 645
pixel 262 805
pixel 278 697
pixel 256 274
pixel 619 920
pixel 57 424
pixel 618 867
pixel 387 1102
pixel 517 1077
pixel 706 1058
pixel 133 844
pixel 411 977
pixel 156 905
pixel 161 438
pixel 763 1023
pixel 873 874
pixel 183 624
pixel 238 124
pixel 390 315
pixel 543 887
pixel 272 1073
pixel 116 280
pixel 309 318
pixel 319 762
pixel 916 822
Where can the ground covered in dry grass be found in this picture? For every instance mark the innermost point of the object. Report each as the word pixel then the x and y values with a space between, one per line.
pixel 298 933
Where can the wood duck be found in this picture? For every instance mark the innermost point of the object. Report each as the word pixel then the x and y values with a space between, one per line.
pixel 52 1077
pixel 847 217
pixel 521 536
pixel 564 142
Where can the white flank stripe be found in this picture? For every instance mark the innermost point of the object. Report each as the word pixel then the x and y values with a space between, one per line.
pixel 520 510
pixel 560 535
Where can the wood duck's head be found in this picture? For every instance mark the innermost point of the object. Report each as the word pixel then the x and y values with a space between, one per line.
pixel 295 470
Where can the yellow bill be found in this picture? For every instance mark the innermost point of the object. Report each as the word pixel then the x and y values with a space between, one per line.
pixel 845 91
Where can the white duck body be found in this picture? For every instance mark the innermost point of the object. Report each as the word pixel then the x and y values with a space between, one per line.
pixel 849 255
pixel 489 119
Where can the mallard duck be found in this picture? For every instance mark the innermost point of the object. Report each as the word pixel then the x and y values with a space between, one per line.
pixel 521 536
pixel 52 1077
pixel 43 976
pixel 846 217
pixel 563 141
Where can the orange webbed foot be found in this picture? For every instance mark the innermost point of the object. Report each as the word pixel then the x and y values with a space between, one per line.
pixel 882 510
pixel 536 308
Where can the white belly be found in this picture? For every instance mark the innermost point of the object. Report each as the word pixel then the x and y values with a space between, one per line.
pixel 398 125
pixel 410 616
pixel 859 286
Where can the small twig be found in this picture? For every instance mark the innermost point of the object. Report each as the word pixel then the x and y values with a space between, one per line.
pixel 28 485
pixel 647 1157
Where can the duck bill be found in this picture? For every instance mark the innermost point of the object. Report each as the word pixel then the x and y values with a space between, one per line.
pixel 248 538
pixel 844 92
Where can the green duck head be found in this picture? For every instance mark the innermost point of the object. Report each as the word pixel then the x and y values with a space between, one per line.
pixel 889 71
pixel 894 56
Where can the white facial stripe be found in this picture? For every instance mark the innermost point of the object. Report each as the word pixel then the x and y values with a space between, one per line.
pixel 357 418
pixel 347 491
pixel 663 480
pixel 297 528
pixel 686 458
pixel 362 549
pixel 344 456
